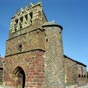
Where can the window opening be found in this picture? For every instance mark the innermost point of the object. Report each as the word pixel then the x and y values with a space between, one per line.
pixel 46 40
pixel 31 15
pixel 79 75
pixel 21 19
pixel 16 20
pixel 20 47
pixel 84 76
pixel 15 27
pixel 26 16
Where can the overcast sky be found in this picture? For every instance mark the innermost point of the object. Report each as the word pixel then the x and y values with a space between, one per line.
pixel 71 14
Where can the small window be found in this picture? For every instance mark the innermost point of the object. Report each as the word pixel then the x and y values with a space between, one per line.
pixel 79 75
pixel 15 25
pixel 20 47
pixel 31 15
pixel 84 76
pixel 46 40
pixel 16 20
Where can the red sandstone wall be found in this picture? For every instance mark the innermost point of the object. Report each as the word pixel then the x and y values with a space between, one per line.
pixel 33 65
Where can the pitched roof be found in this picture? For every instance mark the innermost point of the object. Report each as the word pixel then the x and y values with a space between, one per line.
pixel 75 61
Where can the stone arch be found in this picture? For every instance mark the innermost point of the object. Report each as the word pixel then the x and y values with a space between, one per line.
pixel 19 77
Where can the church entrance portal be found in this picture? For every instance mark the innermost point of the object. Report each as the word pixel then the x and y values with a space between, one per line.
pixel 19 78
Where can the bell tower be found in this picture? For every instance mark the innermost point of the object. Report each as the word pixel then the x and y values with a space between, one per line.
pixel 30 17
pixel 25 30
pixel 25 47
pixel 34 52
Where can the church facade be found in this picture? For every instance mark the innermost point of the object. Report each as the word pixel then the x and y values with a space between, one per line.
pixel 34 51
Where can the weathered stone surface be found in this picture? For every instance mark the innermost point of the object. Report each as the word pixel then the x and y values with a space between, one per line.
pixel 54 69
pixel 75 72
pixel 70 71
pixel 34 53
pixel 32 64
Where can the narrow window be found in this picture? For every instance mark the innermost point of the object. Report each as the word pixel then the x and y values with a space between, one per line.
pixel 26 16
pixel 46 40
pixel 79 76
pixel 20 47
pixel 21 19
pixel 15 27
pixel 16 21
pixel 31 15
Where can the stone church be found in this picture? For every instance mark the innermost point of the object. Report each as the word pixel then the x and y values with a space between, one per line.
pixel 34 53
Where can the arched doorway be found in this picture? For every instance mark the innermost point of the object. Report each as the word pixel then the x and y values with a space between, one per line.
pixel 19 78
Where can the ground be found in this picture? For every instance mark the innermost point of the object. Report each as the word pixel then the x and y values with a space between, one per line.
pixel 74 86
pixel 84 86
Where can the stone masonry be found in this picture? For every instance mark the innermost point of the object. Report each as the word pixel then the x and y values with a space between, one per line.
pixel 75 72
pixel 34 52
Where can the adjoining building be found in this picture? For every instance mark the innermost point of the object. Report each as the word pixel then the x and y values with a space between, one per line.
pixel 1 71
pixel 34 53
pixel 75 72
